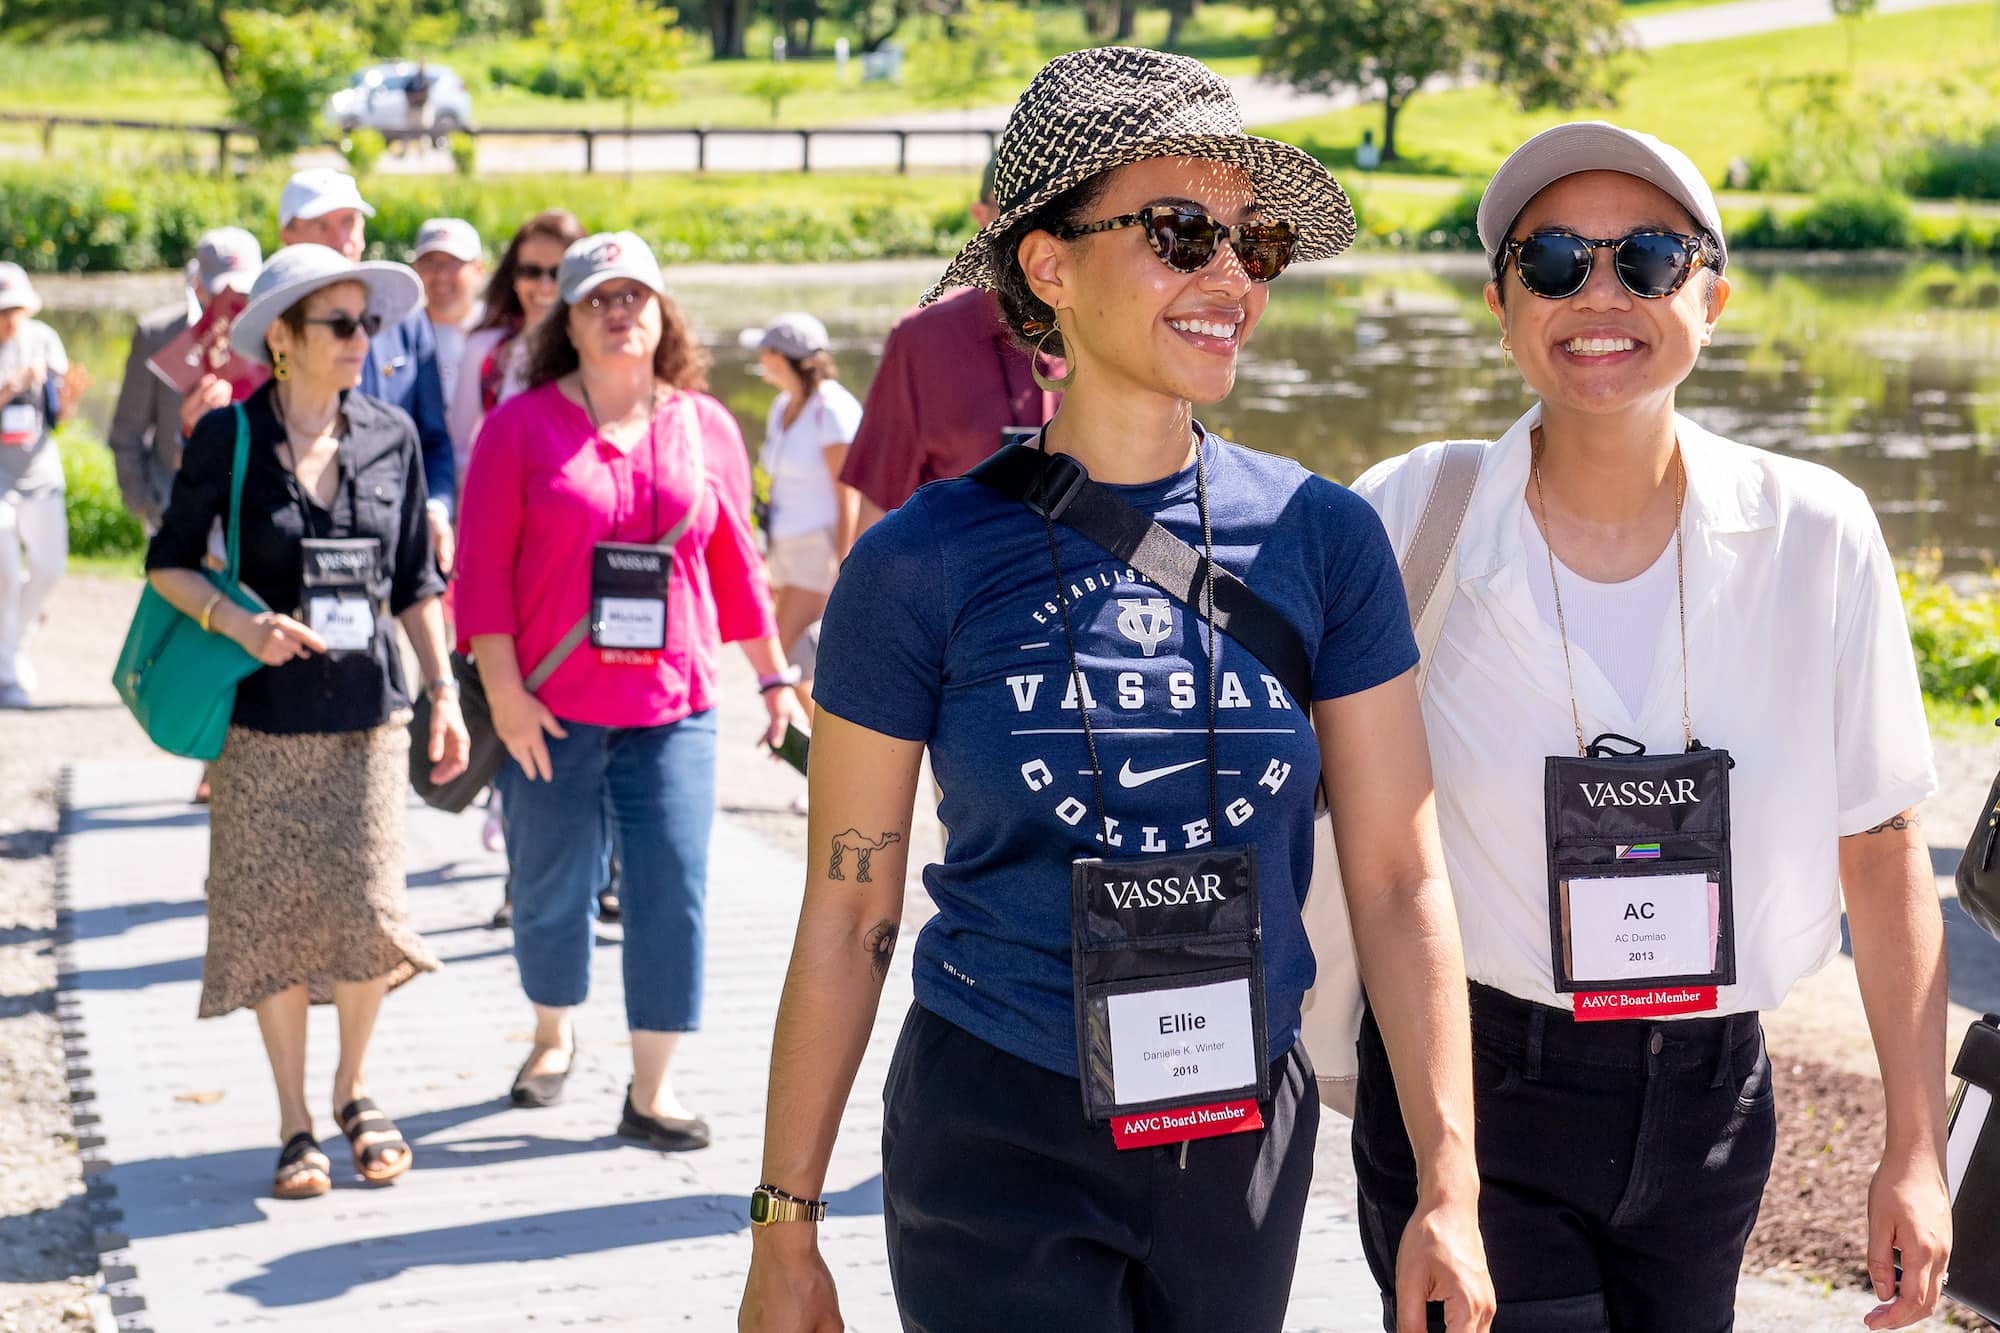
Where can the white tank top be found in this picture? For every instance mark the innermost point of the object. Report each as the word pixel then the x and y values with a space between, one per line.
pixel 1617 624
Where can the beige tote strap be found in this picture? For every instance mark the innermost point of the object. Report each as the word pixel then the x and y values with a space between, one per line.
pixel 1433 550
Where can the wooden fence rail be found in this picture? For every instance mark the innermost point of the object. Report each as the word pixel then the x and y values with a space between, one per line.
pixel 700 134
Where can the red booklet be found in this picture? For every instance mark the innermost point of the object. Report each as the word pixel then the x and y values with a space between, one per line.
pixel 204 350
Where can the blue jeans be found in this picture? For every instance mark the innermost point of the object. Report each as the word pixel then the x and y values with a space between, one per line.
pixel 658 784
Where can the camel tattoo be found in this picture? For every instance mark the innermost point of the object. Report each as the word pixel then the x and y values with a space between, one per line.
pixel 864 851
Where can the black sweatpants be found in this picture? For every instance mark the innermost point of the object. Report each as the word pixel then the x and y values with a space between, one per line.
pixel 1621 1164
pixel 1006 1212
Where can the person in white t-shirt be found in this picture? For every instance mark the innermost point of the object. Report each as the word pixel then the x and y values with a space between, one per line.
pixel 1623 574
pixel 38 388
pixel 450 260
pixel 813 420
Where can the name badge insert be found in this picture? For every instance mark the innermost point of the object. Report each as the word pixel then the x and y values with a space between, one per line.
pixel 1639 928
pixel 20 424
pixel 1181 1040
pixel 336 581
pixel 628 596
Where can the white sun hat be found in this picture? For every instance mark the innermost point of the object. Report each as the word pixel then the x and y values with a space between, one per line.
pixel 297 271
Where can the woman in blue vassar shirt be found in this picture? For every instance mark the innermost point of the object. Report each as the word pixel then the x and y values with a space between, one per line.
pixel 1056 687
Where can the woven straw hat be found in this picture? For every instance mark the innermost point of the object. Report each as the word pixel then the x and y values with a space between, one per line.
pixel 1109 106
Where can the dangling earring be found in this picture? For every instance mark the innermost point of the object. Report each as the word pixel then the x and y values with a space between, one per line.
pixel 1506 349
pixel 1047 331
pixel 281 369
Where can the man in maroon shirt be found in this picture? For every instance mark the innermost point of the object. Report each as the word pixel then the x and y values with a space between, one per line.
pixel 951 379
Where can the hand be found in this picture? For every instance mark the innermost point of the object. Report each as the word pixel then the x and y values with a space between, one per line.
pixel 520 721
pixel 272 638
pixel 442 541
pixel 450 744
pixel 789 1289
pixel 208 393
pixel 75 380
pixel 1908 1210
pixel 1442 1259
pixel 781 706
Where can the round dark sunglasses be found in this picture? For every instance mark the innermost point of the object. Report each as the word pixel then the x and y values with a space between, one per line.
pixel 1650 264
pixel 345 326
pixel 1186 239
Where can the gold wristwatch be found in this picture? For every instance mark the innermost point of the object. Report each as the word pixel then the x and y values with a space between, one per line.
pixel 770 1204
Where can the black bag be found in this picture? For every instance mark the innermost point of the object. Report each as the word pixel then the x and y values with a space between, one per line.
pixel 1979 868
pixel 1972 1156
pixel 482 761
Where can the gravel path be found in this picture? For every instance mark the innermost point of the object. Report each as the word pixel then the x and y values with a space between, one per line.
pixel 48 1266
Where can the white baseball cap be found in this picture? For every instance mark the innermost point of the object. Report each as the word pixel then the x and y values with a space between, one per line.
pixel 318 191
pixel 595 260
pixel 16 292
pixel 452 236
pixel 1593 145
pixel 225 257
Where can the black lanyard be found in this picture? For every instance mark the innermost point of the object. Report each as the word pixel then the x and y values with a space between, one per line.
pixel 1207 616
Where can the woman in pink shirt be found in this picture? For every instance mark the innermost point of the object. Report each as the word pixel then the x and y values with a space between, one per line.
pixel 606 521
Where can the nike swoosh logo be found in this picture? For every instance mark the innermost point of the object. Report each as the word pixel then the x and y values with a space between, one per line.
pixel 1129 779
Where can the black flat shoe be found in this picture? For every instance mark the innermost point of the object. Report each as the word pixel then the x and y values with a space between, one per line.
pixel 607 897
pixel 668 1135
pixel 542 1089
pixel 503 918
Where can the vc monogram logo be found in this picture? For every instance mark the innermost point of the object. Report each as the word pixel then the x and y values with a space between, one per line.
pixel 1146 621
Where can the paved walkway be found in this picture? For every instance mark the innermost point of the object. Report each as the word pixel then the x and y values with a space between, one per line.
pixel 510 1218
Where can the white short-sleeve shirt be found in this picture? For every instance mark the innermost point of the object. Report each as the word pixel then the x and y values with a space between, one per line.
pixel 1799 664
pixel 802 494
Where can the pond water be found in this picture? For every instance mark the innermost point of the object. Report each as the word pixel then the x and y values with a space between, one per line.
pixel 1887 372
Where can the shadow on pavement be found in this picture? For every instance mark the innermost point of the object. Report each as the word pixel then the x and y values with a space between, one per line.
pixel 95 923
pixel 1971 956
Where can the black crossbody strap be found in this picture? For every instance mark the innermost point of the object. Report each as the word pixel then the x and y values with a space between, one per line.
pixel 1056 487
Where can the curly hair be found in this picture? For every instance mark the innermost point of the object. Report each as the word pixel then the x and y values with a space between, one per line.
pixel 680 360
pixel 1019 306
pixel 503 303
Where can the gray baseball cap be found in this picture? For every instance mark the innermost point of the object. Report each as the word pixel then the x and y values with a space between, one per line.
pixel 595 260
pixel 452 236
pixel 794 334
pixel 225 257
pixel 1593 145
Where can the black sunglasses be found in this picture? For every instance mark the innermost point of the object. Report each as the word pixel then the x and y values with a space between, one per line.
pixel 533 273
pixel 1651 264
pixel 1186 239
pixel 346 326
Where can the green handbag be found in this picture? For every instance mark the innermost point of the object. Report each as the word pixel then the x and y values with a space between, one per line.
pixel 178 679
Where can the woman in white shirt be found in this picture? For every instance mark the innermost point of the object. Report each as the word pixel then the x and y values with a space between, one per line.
pixel 1623 574
pixel 812 422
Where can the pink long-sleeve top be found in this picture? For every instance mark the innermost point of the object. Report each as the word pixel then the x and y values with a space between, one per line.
pixel 544 489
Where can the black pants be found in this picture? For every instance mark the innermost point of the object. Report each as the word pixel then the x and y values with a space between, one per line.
pixel 1006 1212
pixel 1621 1164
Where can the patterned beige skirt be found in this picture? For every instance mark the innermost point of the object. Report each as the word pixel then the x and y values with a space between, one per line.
pixel 306 852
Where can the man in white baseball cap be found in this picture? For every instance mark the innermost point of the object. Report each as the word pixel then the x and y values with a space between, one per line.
pixel 322 206
pixel 152 419
pixel 449 259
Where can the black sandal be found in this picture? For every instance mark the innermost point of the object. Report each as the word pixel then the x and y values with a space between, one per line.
pixel 363 1116
pixel 294 1177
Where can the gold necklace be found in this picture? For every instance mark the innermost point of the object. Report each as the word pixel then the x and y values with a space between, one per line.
pixel 1680 587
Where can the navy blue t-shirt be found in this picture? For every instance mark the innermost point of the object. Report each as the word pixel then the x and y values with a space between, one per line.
pixel 944 628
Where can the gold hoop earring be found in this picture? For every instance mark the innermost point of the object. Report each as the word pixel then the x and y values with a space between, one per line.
pixel 1506 349
pixel 1047 384
pixel 281 368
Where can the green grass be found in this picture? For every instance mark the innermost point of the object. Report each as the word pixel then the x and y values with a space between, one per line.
pixel 1702 98
pixel 155 79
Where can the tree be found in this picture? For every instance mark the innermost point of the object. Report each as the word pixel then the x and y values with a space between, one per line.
pixel 1544 52
pixel 774 86
pixel 1851 12
pixel 873 22
pixel 728 25
pixel 286 64
pixel 983 50
pixel 622 49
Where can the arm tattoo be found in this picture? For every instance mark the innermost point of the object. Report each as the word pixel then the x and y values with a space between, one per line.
pixel 1899 823
pixel 881 946
pixel 864 850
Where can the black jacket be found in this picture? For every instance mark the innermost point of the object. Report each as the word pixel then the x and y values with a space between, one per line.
pixel 380 495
